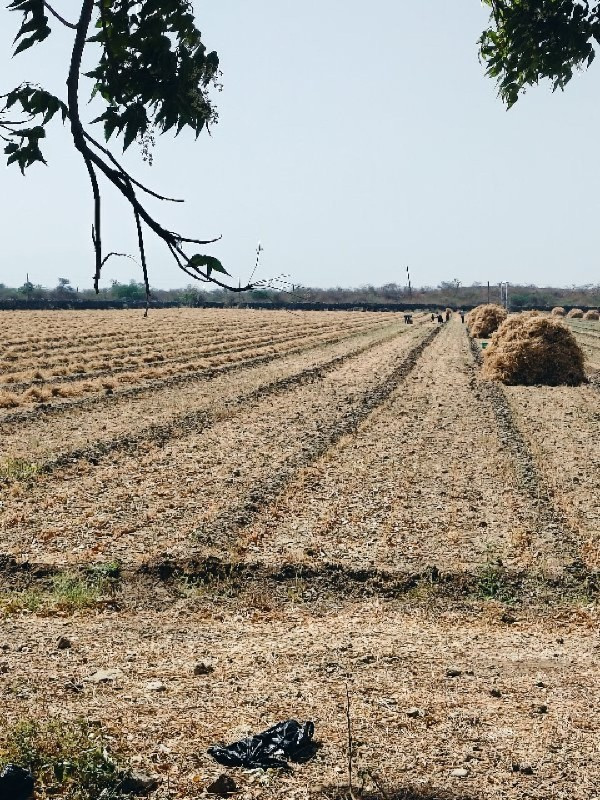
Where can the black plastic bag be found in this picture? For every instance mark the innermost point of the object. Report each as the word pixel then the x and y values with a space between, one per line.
pixel 286 740
pixel 16 783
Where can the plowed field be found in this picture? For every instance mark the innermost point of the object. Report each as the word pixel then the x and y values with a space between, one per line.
pixel 305 504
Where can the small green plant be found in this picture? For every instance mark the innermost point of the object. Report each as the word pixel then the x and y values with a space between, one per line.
pixel 72 592
pixel 68 760
pixel 17 602
pixel 67 592
pixel 18 469
pixel 107 571
pixel 493 584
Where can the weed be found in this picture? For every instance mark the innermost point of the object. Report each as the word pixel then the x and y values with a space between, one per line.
pixel 17 602
pixel 493 584
pixel 107 571
pixel 72 593
pixel 18 469
pixel 67 593
pixel 70 760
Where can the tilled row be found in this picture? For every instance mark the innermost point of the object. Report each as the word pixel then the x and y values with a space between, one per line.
pixel 193 422
pixel 152 499
pixel 82 429
pixel 221 529
pixel 551 528
pixel 166 581
pixel 142 360
pixel 11 419
pixel 429 479
pixel 50 395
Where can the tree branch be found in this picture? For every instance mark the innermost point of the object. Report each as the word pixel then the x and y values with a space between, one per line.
pixel 58 16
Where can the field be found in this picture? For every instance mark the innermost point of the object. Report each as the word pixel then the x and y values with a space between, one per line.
pixel 239 515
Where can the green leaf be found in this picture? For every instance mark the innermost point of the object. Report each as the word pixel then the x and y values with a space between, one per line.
pixel 209 263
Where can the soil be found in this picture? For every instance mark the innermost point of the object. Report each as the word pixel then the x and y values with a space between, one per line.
pixel 363 514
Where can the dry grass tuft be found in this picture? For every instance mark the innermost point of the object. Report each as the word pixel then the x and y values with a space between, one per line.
pixel 484 320
pixel 532 351
pixel 558 311
pixel 575 313
pixel 591 315
pixel 9 400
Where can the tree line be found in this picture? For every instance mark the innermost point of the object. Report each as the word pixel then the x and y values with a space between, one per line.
pixel 447 293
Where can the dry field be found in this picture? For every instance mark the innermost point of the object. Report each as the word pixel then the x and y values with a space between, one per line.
pixel 301 502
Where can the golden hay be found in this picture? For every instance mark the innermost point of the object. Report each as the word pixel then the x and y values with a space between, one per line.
pixel 531 351
pixel 558 311
pixel 575 313
pixel 591 315
pixel 484 320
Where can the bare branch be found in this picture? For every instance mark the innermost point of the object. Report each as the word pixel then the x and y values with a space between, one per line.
pixel 141 186
pixel 54 13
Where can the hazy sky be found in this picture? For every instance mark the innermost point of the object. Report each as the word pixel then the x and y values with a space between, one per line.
pixel 353 140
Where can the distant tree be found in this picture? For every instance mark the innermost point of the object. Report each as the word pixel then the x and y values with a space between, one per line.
pixel 64 287
pixel 152 75
pixel 128 291
pixel 531 40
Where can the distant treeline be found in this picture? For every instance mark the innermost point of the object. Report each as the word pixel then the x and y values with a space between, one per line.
pixel 388 297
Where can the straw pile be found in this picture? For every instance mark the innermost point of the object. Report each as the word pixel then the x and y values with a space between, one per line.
pixel 575 313
pixel 531 351
pixel 558 311
pixel 591 315
pixel 484 320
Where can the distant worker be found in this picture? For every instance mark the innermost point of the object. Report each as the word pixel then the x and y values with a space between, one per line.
pixel 462 316
pixel 433 317
pixel 440 319
pixel 447 315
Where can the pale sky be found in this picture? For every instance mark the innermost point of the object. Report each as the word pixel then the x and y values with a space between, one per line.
pixel 353 140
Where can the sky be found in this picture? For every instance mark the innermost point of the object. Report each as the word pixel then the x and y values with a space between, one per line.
pixel 354 139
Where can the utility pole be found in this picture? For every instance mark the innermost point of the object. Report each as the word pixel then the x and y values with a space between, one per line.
pixel 488 293
pixel 409 286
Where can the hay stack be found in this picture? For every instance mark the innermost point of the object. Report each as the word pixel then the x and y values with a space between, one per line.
pixel 558 311
pixel 591 315
pixel 575 313
pixel 530 351
pixel 484 320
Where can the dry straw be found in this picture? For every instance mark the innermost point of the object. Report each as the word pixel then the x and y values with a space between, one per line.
pixel 532 351
pixel 484 320
pixel 591 315
pixel 575 313
pixel 558 311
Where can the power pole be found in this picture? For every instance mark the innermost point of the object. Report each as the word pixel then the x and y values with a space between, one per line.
pixel 488 293
pixel 409 286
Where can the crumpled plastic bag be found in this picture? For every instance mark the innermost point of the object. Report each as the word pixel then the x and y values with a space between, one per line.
pixel 268 749
pixel 16 783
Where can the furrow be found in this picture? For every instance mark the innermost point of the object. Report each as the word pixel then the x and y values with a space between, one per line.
pixel 551 526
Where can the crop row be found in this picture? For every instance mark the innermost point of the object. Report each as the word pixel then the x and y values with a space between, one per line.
pixel 149 346
pixel 43 392
pixel 131 357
